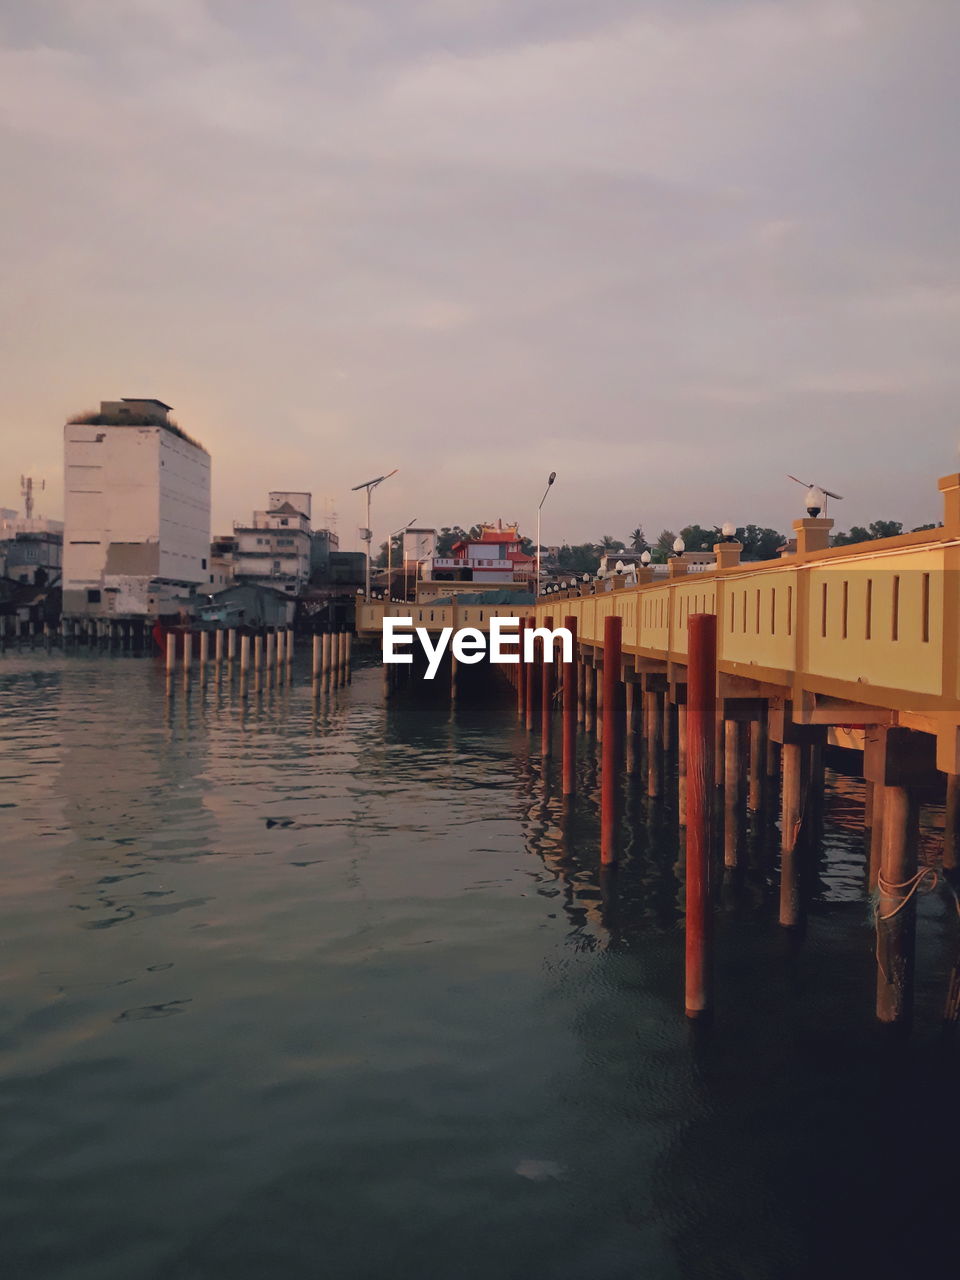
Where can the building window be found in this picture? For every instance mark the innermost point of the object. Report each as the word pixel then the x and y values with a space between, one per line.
pixel 203 564
pixel 211 577
pixel 284 522
pixel 93 596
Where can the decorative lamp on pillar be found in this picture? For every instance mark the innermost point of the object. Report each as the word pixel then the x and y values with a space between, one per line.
pixel 728 549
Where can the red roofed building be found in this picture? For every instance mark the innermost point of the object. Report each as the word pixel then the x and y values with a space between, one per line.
pixel 493 559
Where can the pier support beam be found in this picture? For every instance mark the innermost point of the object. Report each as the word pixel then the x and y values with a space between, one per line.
pixel 701 740
pixel 682 763
pixel 547 670
pixel 734 791
pixel 522 675
pixel 571 703
pixel 756 794
pixel 612 749
pixel 590 696
pixel 794 782
pixel 533 687
pixel 897 906
pixel 951 824
pixel 653 725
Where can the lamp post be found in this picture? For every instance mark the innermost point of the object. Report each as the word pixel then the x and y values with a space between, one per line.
pixel 367 533
pixel 550 480
pixel 402 529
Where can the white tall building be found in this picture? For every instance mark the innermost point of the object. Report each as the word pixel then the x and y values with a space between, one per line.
pixel 137 512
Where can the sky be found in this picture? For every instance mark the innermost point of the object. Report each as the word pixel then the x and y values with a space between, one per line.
pixel 670 249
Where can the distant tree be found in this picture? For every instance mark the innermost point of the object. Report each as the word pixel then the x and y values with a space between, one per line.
pixel 638 542
pixel 886 529
pixel 877 529
pixel 922 527
pixel 449 534
pixel 759 543
pixel 578 560
pixel 663 547
pixel 696 538
pixel 607 543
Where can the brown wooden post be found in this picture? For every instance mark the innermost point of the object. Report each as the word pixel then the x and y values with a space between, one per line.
pixel 701 740
pixel 653 721
pixel 581 688
pixel 682 763
pixel 522 674
pixel 631 727
pixel 758 764
pixel 793 758
pixel 612 756
pixel 547 670
pixel 876 836
pixel 590 694
pixel 951 824
pixel 734 791
pixel 570 704
pixel 897 906
pixel 533 684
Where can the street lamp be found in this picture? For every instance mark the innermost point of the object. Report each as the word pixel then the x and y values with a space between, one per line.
pixel 679 546
pixel 550 480
pixel 728 531
pixel 402 529
pixel 366 534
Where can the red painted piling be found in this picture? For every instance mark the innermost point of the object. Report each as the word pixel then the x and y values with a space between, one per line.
pixel 701 745
pixel 570 701
pixel 612 744
pixel 546 697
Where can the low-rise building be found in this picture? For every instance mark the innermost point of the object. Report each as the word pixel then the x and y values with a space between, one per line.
pixel 495 558
pixel 275 548
pixel 32 557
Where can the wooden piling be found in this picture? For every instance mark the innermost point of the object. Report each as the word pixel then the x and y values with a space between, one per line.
pixel 581 688
pixel 547 671
pixel 590 695
pixel 218 645
pixel 897 905
pixel 682 764
pixel 533 687
pixel 315 658
pixel 631 722
pixel 231 644
pixel 171 652
pixel 758 765
pixel 522 675
pixel 570 710
pixel 612 744
pixel 653 724
pixel 348 657
pixel 734 791
pixel 325 658
pixel 204 649
pixel 244 654
pixel 701 744
pixel 951 824
pixel 793 764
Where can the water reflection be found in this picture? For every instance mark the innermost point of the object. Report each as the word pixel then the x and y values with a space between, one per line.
pixel 304 981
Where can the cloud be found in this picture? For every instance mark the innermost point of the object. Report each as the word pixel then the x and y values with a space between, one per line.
pixel 613 235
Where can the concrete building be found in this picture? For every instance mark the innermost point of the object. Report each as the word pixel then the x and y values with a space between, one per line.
pixel 27 557
pixel 223 561
pixel 275 549
pixel 137 511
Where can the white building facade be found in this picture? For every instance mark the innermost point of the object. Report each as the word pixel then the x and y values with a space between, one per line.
pixel 274 550
pixel 137 512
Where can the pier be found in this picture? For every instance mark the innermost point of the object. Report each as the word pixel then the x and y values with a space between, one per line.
pixel 853 650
